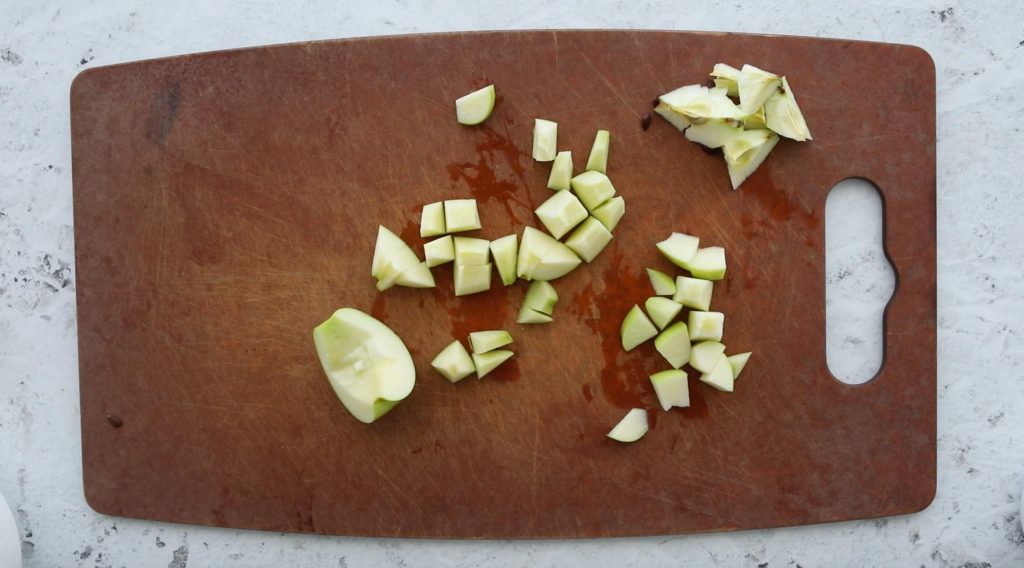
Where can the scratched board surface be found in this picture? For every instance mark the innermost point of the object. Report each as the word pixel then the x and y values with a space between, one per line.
pixel 226 203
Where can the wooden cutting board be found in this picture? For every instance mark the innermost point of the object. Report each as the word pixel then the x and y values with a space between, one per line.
pixel 226 203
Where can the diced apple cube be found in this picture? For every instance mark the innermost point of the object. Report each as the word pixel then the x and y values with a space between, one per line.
pixel 416 276
pixel 589 239
pixel 471 252
pixel 561 171
pixel 694 292
pixel 738 362
pixel 545 140
pixel 610 212
pixel 720 375
pixel 593 188
pixel 544 258
pixel 475 107
pixel 504 252
pixel 432 220
pixel 598 160
pixel 672 388
pixel 560 213
pixel 487 362
pixel 679 248
pixel 541 297
pixel 484 341
pixel 472 279
pixel 454 362
pixel 706 325
pixel 461 215
pixel 674 344
pixel 528 315
pixel 631 428
pixel 662 310
pixel 662 283
pixel 708 263
pixel 705 354
pixel 636 328
pixel 439 251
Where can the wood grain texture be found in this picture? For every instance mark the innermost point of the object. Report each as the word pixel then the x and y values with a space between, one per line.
pixel 226 203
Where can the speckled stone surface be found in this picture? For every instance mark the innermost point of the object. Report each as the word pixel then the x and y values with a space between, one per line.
pixel 974 520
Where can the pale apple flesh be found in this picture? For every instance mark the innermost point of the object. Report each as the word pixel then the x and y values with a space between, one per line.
pixel 560 213
pixel 454 362
pixel 636 329
pixel 484 341
pixel 545 140
pixel 662 310
pixel 631 428
pixel 610 212
pixel 561 171
pixel 674 344
pixel 662 283
pixel 504 252
pixel 598 160
pixel 672 388
pixel 474 108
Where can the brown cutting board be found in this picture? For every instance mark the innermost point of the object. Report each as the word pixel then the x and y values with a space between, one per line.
pixel 226 203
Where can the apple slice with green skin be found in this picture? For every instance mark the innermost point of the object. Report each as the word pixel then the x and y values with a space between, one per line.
pixel 367 364
pixel 672 388
pixel 544 258
pixel 705 354
pixel 738 362
pixel 470 251
pixel 474 108
pixel 694 293
pixel 708 263
pixel 610 212
pixel 755 86
pixel 598 160
pixel 636 328
pixel 487 362
pixel 679 248
pixel 746 152
pixel 432 220
pixel 662 310
pixel 593 188
pixel 454 362
pixel 589 239
pixel 529 315
pixel 439 251
pixel 416 276
pixel 484 341
pixel 391 250
pixel 560 213
pixel 726 77
pixel 783 115
pixel 714 133
pixel 545 140
pixel 677 119
pixel 720 376
pixel 561 171
pixel 662 283
pixel 706 325
pixel 461 215
pixel 472 279
pixel 541 297
pixel 674 344
pixel 631 428
pixel 504 252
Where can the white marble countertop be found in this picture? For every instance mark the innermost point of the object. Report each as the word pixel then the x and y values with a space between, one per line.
pixel 978 49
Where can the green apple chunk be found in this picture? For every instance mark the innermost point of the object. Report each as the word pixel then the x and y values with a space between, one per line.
pixel 475 107
pixel 726 77
pixel 529 315
pixel 679 248
pixel 705 354
pixel 636 328
pixel 631 428
pixel 454 362
pixel 504 251
pixel 439 251
pixel 560 213
pixel 391 250
pixel 738 362
pixel 662 283
pixel 472 279
pixel 589 239
pixel 541 297
pixel 484 341
pixel 593 188
pixel 487 362
pixel 367 364
pixel 461 215
pixel 783 115
pixel 714 133
pixel 432 220
pixel 416 276
pixel 545 140
pixel 610 212
pixel 746 152
pixel 672 388
pixel 708 263
pixel 561 171
pixel 674 344
pixel 720 376
pixel 662 310
pixel 472 252
pixel 386 277
pixel 694 292
pixel 677 119
pixel 544 258
pixel 598 160
pixel 706 325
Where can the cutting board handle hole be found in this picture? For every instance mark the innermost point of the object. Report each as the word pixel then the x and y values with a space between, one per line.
pixel 859 281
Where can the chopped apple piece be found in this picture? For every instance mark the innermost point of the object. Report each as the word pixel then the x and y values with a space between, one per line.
pixel 560 213
pixel 475 107
pixel 561 171
pixel 738 362
pixel 367 364
pixel 541 297
pixel 598 160
pixel 454 362
pixel 631 428
pixel 589 239
pixel 461 215
pixel 679 248
pixel 610 212
pixel 416 276
pixel 706 325
pixel 471 252
pixel 662 310
pixel 432 220
pixel 755 86
pixel 386 277
pixel 705 354
pixel 545 140
pixel 755 120
pixel 593 188
pixel 543 258
pixel 783 114
pixel 674 344
pixel 715 103
pixel 487 362
pixel 682 96
pixel 391 250
pixel 528 315
pixel 694 292
pixel 484 341
pixel 727 77
pixel 714 133
pixel 439 251
pixel 708 263
pixel 504 251
pixel 746 152
pixel 470 279
pixel 720 375
pixel 636 328
pixel 672 388
pixel 674 118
